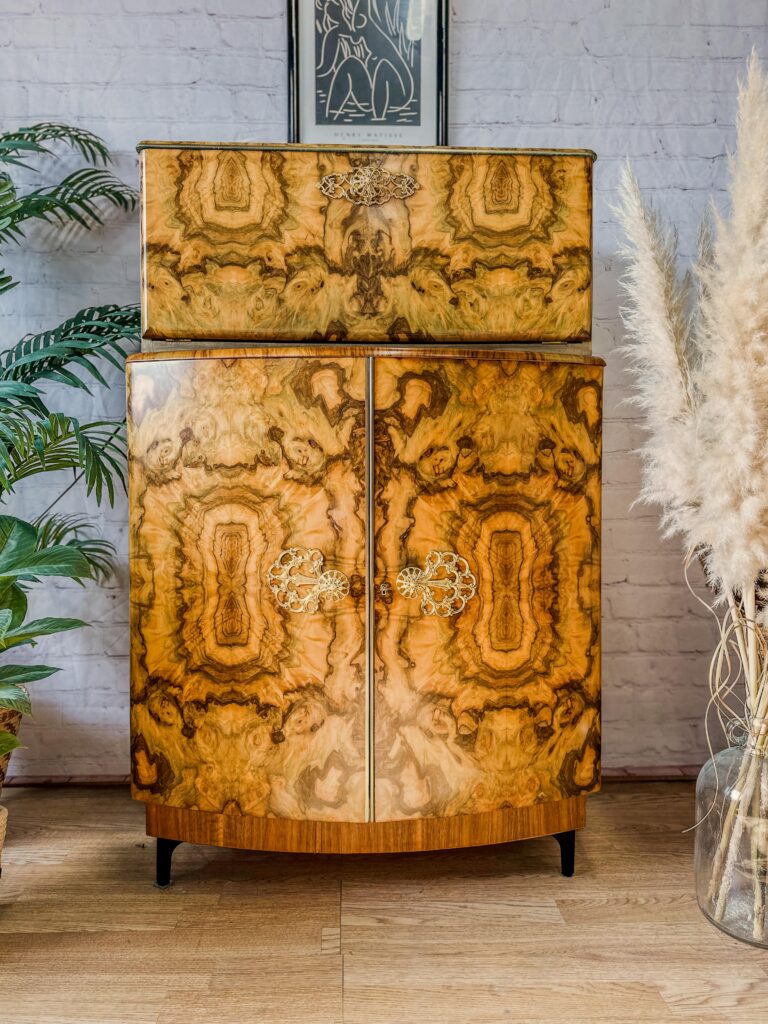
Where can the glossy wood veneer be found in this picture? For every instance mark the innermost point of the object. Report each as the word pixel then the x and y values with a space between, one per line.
pixel 240 242
pixel 238 701
pixel 483 446
pixel 325 350
pixel 497 463
pixel 278 835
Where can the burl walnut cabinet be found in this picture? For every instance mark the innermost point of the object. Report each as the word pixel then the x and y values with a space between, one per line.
pixel 365 577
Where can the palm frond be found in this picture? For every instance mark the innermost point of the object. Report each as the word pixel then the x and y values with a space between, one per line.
pixel 6 281
pixel 93 334
pixel 13 391
pixel 77 198
pixel 7 200
pixel 7 206
pixel 17 435
pixel 29 446
pixel 74 530
pixel 31 140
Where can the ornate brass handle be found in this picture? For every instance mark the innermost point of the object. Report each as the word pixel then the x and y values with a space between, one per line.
pixel 369 185
pixel 445 584
pixel 297 580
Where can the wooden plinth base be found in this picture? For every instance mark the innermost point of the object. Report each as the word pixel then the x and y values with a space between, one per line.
pixel 280 835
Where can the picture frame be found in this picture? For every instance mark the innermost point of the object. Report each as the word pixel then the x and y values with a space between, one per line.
pixel 368 72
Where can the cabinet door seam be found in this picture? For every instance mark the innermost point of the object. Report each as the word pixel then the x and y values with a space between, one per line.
pixel 370 611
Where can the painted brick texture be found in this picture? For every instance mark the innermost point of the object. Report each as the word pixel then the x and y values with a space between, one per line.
pixel 652 80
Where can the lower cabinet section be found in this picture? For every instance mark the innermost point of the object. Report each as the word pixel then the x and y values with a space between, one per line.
pixel 365 595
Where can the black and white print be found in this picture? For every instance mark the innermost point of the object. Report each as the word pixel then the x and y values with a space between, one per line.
pixel 367 69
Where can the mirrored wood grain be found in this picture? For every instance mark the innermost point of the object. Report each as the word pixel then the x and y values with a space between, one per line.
pixel 240 243
pixel 496 705
pixel 240 705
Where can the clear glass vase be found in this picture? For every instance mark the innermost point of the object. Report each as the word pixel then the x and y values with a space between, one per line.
pixel 732 842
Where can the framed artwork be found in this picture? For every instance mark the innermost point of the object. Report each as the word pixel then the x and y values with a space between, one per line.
pixel 368 71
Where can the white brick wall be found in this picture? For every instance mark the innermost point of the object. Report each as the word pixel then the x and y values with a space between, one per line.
pixel 653 80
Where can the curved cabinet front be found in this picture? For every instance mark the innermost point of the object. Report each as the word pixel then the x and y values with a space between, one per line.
pixel 365 595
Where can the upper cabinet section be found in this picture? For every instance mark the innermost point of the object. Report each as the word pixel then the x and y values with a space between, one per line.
pixel 291 243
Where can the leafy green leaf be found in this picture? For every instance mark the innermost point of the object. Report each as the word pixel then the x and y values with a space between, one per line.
pixel 34 438
pixel 18 540
pixel 21 557
pixel 63 560
pixel 5 622
pixel 15 698
pixel 13 598
pixel 17 674
pixel 17 389
pixel 10 150
pixel 8 742
pixel 30 631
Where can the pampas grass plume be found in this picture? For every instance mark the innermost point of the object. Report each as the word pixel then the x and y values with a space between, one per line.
pixel 698 351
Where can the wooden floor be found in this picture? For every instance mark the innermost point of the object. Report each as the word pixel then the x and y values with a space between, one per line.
pixel 475 937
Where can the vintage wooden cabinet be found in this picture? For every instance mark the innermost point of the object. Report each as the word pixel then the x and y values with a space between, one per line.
pixel 365 578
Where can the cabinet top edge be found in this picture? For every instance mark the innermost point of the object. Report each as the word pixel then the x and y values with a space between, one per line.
pixel 346 352
pixel 304 147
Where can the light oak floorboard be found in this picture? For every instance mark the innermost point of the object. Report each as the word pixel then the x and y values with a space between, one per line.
pixel 461 937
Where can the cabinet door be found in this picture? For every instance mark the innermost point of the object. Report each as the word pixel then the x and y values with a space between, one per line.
pixel 487 570
pixel 247 562
pixel 284 243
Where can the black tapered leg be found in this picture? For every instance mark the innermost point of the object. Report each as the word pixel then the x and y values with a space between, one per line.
pixel 165 848
pixel 567 843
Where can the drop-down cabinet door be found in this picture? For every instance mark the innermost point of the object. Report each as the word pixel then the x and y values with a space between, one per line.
pixel 259 242
pixel 487 499
pixel 247 539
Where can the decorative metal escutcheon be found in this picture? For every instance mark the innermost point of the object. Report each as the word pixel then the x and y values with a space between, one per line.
pixel 445 584
pixel 370 185
pixel 297 580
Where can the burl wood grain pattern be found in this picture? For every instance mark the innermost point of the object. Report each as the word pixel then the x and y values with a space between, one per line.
pixel 247 698
pixel 497 705
pixel 241 243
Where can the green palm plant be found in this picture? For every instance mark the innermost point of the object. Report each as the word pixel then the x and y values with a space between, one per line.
pixel 78 197
pixel 35 438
